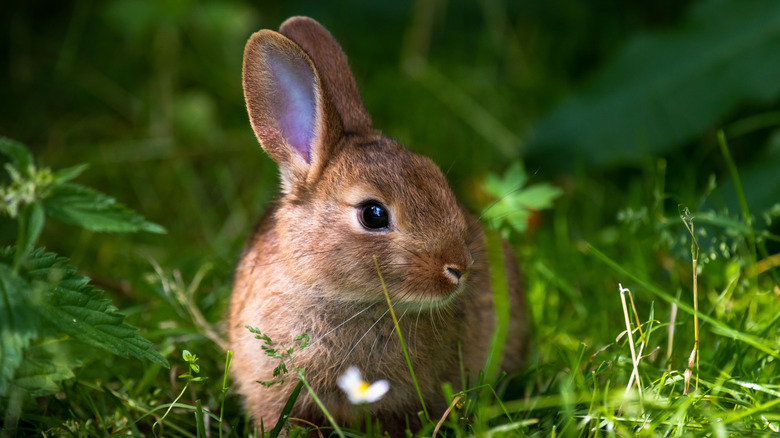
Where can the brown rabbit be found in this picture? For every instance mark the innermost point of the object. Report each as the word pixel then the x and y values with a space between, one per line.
pixel 348 194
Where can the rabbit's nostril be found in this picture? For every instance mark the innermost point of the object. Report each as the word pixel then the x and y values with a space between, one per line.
pixel 453 272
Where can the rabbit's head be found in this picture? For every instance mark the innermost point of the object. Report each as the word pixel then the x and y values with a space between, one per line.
pixel 348 193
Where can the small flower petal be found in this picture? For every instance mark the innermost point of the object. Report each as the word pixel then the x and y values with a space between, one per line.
pixel 358 390
pixel 376 390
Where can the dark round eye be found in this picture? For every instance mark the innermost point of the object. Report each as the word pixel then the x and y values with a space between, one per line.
pixel 373 215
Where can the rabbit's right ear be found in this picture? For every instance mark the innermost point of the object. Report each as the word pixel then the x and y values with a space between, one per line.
pixel 288 107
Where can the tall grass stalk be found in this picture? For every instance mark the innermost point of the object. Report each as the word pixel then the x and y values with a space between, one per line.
pixel 401 340
pixel 694 357
pixel 228 358
pixel 331 420
pixel 720 327
pixel 500 303
pixel 634 357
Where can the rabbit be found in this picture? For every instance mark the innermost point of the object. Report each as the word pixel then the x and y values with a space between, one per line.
pixel 349 194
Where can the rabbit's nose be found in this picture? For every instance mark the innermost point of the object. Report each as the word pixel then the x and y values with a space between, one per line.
pixel 454 273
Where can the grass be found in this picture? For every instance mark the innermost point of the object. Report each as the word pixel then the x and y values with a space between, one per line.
pixel 599 365
pixel 177 147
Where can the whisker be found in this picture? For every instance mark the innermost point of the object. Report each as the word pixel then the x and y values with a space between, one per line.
pixel 362 337
pixel 390 336
pixel 344 322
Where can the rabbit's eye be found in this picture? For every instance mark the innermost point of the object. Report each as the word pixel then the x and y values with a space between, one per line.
pixel 373 215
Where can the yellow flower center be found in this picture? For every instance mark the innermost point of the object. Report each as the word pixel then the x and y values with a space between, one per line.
pixel 363 387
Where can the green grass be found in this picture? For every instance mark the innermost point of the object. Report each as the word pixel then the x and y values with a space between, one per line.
pixel 577 379
pixel 165 133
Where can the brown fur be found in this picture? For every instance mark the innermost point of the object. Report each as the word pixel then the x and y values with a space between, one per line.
pixel 308 268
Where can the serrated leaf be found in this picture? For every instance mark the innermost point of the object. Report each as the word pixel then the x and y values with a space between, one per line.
pixel 72 306
pixel 83 206
pixel 17 323
pixel 47 364
pixel 668 87
pixel 20 156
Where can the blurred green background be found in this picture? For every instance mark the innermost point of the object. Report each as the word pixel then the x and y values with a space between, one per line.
pixel 604 98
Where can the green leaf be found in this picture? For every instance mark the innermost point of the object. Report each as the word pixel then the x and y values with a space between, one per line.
pixel 304 338
pixel 516 203
pixel 514 179
pixel 285 414
pixel 31 222
pixel 536 197
pixel 69 173
pixel 17 325
pixel 47 364
pixel 83 206
pixel 668 87
pixel 20 156
pixel 71 306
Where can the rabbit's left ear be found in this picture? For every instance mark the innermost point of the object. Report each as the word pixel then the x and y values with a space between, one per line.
pixel 288 107
pixel 333 68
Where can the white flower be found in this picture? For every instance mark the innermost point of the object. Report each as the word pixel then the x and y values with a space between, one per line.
pixel 360 391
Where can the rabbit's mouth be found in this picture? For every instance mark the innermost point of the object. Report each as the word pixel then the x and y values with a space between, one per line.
pixel 436 296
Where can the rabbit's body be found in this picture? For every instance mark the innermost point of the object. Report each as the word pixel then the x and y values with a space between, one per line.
pixel 349 194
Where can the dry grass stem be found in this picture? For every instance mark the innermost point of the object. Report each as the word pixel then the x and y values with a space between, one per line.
pixel 445 415
pixel 634 359
pixel 687 219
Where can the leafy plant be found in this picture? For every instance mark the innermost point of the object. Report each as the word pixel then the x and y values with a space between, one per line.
pixel 516 203
pixel 189 376
pixel 49 312
pixel 284 355
pixel 279 352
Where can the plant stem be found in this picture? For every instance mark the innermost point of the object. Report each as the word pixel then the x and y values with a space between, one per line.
pixel 317 400
pixel 228 358
pixel 401 339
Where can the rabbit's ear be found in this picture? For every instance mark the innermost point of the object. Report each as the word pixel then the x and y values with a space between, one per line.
pixel 290 112
pixel 333 67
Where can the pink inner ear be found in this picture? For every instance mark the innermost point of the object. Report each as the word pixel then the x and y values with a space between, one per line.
pixel 294 102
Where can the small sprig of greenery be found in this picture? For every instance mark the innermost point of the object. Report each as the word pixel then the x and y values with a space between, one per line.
pixel 515 202
pixel 49 315
pixel 194 368
pixel 285 357
pixel 280 352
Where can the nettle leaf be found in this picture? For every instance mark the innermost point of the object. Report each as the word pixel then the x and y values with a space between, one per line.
pixel 81 311
pixel 17 325
pixel 47 364
pixel 83 206
pixel 69 305
pixel 20 156
pixel 515 202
